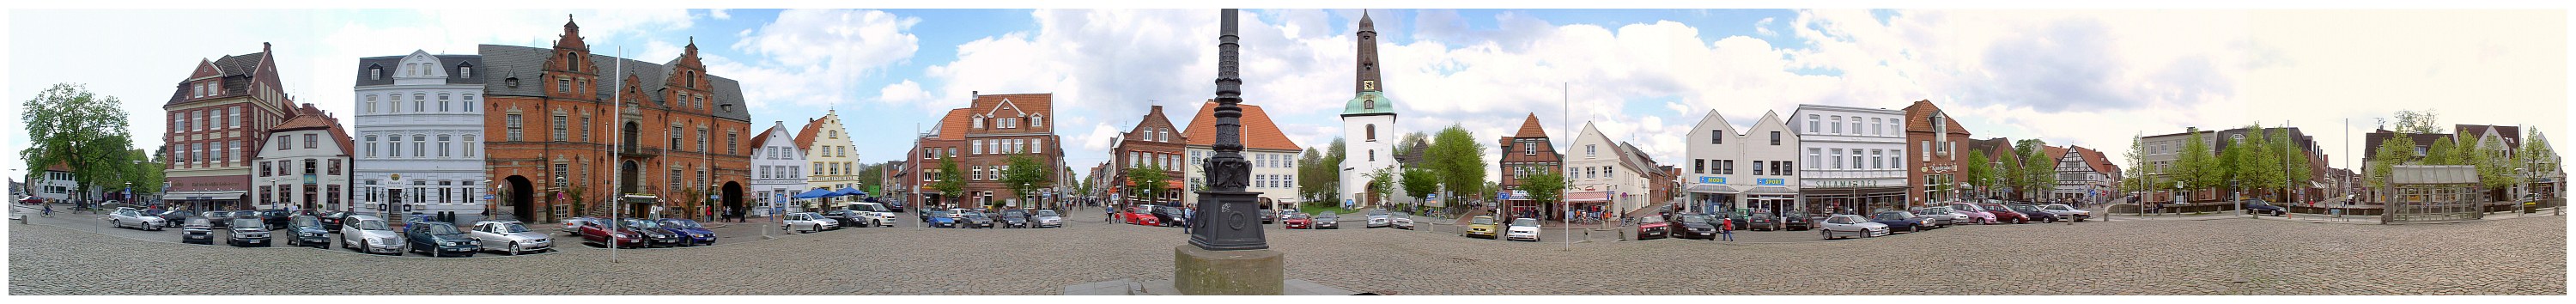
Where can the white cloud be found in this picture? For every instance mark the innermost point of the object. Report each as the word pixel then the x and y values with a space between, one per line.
pixel 720 14
pixel 905 92
pixel 1101 138
pixel 814 58
pixel 1764 27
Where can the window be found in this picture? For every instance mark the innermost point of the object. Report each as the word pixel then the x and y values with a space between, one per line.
pixel 732 142
pixel 1529 148
pixel 1875 127
pixel 974 147
pixel 308 141
pixel 978 120
pixel 443 142
pixel 1757 167
pixel 374 73
pixel 1811 126
pixel 370 146
pixel 1699 166
pixel 1775 138
pixel 234 119
pixel 470 146
pixel 1896 159
pixel 308 166
pixel 1838 124
pixel 1781 168
pixel 675 138
pixel 585 128
pixel 1371 132
pixel 563 173
pixel 417 142
pixel 335 167
pixel 1609 172
pixel 563 85
pixel 371 103
pixel 559 129
pixel 1716 137
pixel 1037 121
pixel 702 139
pixel 1589 150
pixel 465 71
pixel 1728 165
pixel 263 169
pixel 1877 160
pixel 1855 158
pixel 1838 158
pixel 393 146
pixel 419 102
pixel 281 143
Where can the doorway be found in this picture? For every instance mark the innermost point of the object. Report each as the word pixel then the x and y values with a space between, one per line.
pixel 520 197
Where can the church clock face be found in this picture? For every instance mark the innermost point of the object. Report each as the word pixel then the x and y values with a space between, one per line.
pixel 1368 84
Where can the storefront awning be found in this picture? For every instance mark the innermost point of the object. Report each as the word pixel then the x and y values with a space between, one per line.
pixel 1719 189
pixel 1772 190
pixel 202 195
pixel 1583 197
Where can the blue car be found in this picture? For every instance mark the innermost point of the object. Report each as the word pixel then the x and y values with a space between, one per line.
pixel 689 232
pixel 1901 220
pixel 938 218
pixel 437 239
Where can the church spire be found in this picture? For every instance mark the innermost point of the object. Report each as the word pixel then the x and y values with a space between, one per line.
pixel 1368 79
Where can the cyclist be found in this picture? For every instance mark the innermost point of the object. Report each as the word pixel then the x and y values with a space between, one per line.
pixel 49 210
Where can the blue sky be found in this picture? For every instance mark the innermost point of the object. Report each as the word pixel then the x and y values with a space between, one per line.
pixel 2090 78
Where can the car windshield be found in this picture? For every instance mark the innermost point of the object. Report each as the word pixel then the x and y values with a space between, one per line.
pixel 1936 210
pixel 1014 213
pixel 302 221
pixel 683 223
pixel 513 228
pixel 939 213
pixel 642 224
pixel 1694 219
pixel 372 225
pixel 439 229
pixel 246 223
pixel 1483 221
pixel 1046 212
pixel 199 222
pixel 974 216
pixel 2058 207
pixel 1329 215
pixel 1296 215
pixel 1649 220
pixel 1525 222
pixel 1377 212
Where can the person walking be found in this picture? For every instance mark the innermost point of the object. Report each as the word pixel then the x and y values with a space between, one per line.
pixel 1726 228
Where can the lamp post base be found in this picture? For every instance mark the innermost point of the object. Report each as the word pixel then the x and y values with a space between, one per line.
pixel 1198 271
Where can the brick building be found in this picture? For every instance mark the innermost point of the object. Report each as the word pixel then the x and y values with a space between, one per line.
pixel 982 138
pixel 219 118
pixel 1526 153
pixel 1935 174
pixel 1153 143
pixel 552 118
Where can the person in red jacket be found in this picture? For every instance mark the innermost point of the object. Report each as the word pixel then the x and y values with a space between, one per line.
pixel 1726 228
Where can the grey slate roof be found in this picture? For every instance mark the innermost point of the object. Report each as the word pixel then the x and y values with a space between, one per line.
pixel 238 65
pixel 450 62
pixel 505 61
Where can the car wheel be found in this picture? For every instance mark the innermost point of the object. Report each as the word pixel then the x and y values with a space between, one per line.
pixel 514 248
pixel 1828 234
pixel 1913 228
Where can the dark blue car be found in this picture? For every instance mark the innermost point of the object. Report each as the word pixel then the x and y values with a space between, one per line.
pixel 937 218
pixel 437 239
pixel 1901 220
pixel 2260 207
pixel 690 233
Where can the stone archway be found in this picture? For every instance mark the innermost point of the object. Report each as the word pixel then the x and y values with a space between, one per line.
pixel 521 197
pixel 733 199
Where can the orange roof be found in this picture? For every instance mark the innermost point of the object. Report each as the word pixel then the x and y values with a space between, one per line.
pixel 2055 153
pixel 59 166
pixel 1924 108
pixel 308 117
pixel 813 128
pixel 953 126
pixel 1258 131
pixel 1530 128
pixel 763 138
pixel 2100 163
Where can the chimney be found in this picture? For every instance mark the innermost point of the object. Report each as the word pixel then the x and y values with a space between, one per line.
pixel 1158 108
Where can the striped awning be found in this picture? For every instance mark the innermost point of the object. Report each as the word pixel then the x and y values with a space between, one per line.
pixel 1579 197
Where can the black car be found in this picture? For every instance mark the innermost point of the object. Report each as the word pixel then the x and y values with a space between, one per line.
pixel 1167 215
pixel 1268 216
pixel 198 230
pixel 846 217
pixel 308 231
pixel 175 217
pixel 275 218
pixel 2259 207
pixel 1015 218
pixel 248 232
pixel 977 220
pixel 893 205
pixel 1696 226
pixel 220 219
pixel 437 239
pixel 1797 221
pixel 1762 220
pixel 654 235
pixel 2033 212
pixel 333 219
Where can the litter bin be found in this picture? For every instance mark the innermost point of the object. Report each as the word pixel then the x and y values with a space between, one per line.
pixel 2530 207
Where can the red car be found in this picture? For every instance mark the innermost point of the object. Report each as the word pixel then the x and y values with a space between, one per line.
pixel 1298 221
pixel 1652 227
pixel 1140 215
pixel 2004 215
pixel 597 232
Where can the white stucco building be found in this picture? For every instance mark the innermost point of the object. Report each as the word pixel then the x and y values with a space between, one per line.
pixel 419 118
pixel 1732 168
pixel 1368 123
pixel 1855 158
pixel 1601 172
pixel 830 164
pixel 1272 155
pixel 306 164
pixel 778 170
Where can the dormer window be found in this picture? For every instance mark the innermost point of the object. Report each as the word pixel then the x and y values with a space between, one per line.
pixel 465 71
pixel 374 73
pixel 978 121
pixel 1037 121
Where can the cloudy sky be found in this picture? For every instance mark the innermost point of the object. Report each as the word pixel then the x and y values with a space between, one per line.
pixel 2090 78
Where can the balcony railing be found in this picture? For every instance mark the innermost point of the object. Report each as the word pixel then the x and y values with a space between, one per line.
pixel 638 150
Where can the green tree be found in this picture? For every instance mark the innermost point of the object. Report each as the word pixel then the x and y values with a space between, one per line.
pixel 950 182
pixel 2198 166
pixel 2296 158
pixel 1420 183
pixel 2135 179
pixel 1149 180
pixel 67 124
pixel 871 175
pixel 2039 170
pixel 1980 172
pixel 2258 164
pixel 1381 181
pixel 1458 159
pixel 2397 150
pixel 2423 122
pixel 1410 141
pixel 2444 152
pixel 2495 169
pixel 1311 173
pixel 1544 187
pixel 1024 175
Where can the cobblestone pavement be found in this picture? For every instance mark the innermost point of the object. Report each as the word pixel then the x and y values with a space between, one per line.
pixel 2225 256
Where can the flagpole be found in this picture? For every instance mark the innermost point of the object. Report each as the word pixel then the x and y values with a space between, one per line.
pixel 616 214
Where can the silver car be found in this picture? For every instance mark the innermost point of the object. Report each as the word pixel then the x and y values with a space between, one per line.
pixel 371 235
pixel 1379 218
pixel 1048 218
pixel 509 236
pixel 128 217
pixel 1943 216
pixel 1851 225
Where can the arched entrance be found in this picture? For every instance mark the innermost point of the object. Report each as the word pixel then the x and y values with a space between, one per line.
pixel 733 199
pixel 521 197
pixel 627 177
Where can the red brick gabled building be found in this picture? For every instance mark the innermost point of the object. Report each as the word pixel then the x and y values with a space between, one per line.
pixel 982 138
pixel 1526 153
pixel 1935 138
pixel 1153 143
pixel 218 119
pixel 562 120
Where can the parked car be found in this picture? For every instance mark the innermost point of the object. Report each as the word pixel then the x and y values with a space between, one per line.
pixel 1740 216
pixel 1379 218
pixel 654 234
pixel 1941 216
pixel 1401 222
pixel 811 223
pixel 846 218
pixel 1850 226
pixel 1762 220
pixel 1481 226
pixel 1139 215
pixel 1797 220
pixel 1975 214
pixel 2004 215
pixel 1696 226
pixel 1269 216
pixel 198 230
pixel 1015 218
pixel 893 205
pixel 877 214
pixel 221 219
pixel 1298 221
pixel 1522 229
pixel 275 218
pixel 689 232
pixel 509 237
pixel 977 220
pixel 369 234
pixel 308 231
pixel 1169 216
pixel 613 233
pixel 174 217
pixel 1045 218
pixel 333 218
pixel 437 239
pixel 1653 227
pixel 2257 206
pixel 2033 213
pixel 129 217
pixel 573 225
pixel 2062 211
pixel 1901 220
pixel 1328 220
pixel 937 218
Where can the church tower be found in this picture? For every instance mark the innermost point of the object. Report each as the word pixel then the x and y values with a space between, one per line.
pixel 1368 123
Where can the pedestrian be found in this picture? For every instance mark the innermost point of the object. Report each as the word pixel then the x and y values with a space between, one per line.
pixel 1726 228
